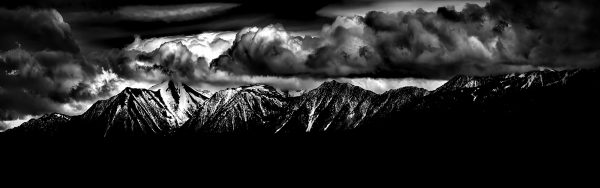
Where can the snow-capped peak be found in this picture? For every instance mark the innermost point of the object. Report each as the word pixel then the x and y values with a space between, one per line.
pixel 179 98
pixel 166 85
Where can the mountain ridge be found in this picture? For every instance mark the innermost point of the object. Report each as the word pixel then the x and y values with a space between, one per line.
pixel 237 109
pixel 334 107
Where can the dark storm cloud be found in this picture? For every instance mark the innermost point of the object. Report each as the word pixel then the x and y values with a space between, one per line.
pixel 420 44
pixel 554 33
pixel 362 7
pixel 172 60
pixel 499 38
pixel 35 30
pixel 45 72
pixel 41 81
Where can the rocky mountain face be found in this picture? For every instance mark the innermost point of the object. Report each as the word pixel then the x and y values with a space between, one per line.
pixel 180 99
pixel 140 112
pixel 170 108
pixel 534 104
pixel 133 112
pixel 531 92
pixel 337 107
pixel 331 106
pixel 243 110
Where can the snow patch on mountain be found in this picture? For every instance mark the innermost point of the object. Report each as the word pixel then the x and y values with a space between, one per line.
pixel 179 98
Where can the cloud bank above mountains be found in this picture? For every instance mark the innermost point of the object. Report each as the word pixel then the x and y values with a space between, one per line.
pixel 43 66
pixel 474 41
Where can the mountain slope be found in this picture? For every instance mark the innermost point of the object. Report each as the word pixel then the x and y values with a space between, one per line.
pixel 331 106
pixel 179 98
pixel 246 109
pixel 540 104
pixel 525 102
pixel 514 93
pixel 140 112
pixel 134 112
pixel 338 107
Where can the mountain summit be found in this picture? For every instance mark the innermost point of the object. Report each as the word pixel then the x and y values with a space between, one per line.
pixel 155 111
pixel 246 109
pixel 180 99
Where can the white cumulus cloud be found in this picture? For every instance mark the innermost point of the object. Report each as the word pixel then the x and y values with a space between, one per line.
pixel 208 45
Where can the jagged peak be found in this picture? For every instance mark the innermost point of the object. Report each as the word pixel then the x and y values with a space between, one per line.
pixel 55 115
pixel 259 87
pixel 167 85
pixel 49 116
pixel 407 89
pixel 172 85
pixel 464 80
pixel 260 90
pixel 129 91
pixel 251 87
pixel 461 82
pixel 522 80
pixel 126 95
pixel 189 89
pixel 337 84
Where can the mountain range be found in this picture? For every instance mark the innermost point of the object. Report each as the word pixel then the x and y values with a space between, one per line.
pixel 525 101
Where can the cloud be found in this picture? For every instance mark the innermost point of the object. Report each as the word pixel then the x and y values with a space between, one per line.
pixel 219 80
pixel 350 10
pixel 501 37
pixel 49 81
pixel 349 47
pixel 172 13
pixel 340 50
pixel 208 45
pixel 173 60
pixel 14 123
pixel 48 78
pixel 4 126
pixel 433 45
pixel 266 51
pixel 552 33
pixel 45 72
pixel 35 30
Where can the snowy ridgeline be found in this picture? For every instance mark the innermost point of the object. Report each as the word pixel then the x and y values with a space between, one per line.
pixel 172 108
